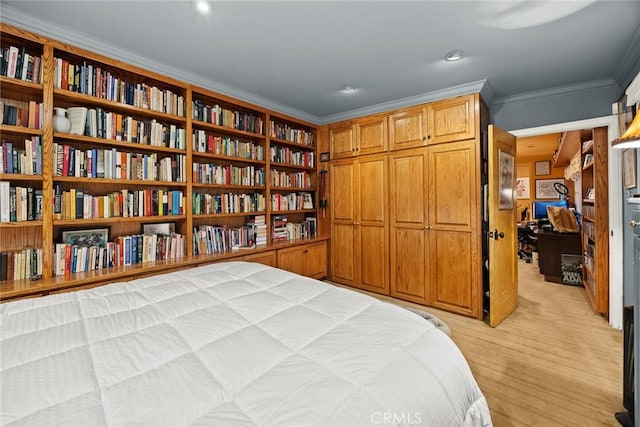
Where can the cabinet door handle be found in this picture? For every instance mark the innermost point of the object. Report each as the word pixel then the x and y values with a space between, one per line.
pixel 634 224
pixel 305 251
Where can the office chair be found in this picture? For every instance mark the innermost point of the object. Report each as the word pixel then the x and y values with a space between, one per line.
pixel 527 243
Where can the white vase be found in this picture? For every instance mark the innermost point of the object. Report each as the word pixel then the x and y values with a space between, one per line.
pixel 60 121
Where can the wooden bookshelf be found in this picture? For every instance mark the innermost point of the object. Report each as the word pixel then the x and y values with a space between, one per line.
pixel 595 216
pixel 123 102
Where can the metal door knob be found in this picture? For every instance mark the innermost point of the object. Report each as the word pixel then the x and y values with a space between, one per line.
pixel 634 224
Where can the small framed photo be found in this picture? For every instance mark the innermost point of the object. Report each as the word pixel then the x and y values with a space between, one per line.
pixel 91 237
pixel 522 188
pixel 629 163
pixel 545 189
pixel 543 167
pixel 159 228
pixel 325 156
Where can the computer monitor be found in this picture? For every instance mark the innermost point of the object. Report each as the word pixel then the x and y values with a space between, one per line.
pixel 540 208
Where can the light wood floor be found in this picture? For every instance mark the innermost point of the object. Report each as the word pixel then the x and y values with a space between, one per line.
pixel 553 362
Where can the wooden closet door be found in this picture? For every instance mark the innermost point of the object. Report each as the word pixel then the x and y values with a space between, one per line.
pixel 371 135
pixel 452 119
pixel 372 227
pixel 409 274
pixel 454 251
pixel 343 220
pixel 408 129
pixel 342 140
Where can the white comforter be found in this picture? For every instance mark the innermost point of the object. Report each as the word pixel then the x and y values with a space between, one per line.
pixel 229 344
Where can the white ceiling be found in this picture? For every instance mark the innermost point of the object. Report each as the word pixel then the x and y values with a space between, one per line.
pixel 297 55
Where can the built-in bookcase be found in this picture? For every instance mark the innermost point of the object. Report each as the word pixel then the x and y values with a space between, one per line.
pixel 142 149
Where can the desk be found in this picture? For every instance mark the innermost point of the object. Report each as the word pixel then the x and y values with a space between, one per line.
pixel 550 246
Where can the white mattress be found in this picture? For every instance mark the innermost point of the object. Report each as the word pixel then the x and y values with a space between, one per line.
pixel 228 344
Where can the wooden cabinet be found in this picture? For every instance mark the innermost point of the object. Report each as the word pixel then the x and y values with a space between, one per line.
pixel 359 137
pixel 595 217
pixel 266 258
pixel 308 260
pixel 454 231
pixel 408 128
pixel 452 119
pixel 342 140
pixel 409 223
pixel 359 242
pixel 371 135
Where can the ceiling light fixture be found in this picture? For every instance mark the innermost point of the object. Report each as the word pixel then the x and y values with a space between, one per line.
pixel 202 6
pixel 349 89
pixel 454 55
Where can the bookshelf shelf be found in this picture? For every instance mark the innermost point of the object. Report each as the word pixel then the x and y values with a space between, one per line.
pixel 20 224
pixel 121 182
pixel 225 130
pixel 19 177
pixel 290 166
pixel 133 219
pixel 225 215
pixel 68 98
pixel 129 146
pixel 13 84
pixel 229 125
pixel 19 130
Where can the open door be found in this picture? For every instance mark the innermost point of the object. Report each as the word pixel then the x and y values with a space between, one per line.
pixel 502 234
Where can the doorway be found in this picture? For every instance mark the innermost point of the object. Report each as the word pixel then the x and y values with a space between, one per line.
pixel 614 205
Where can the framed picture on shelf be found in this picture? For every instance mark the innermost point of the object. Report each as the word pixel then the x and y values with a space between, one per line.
pixel 543 168
pixel 91 237
pixel 159 228
pixel 522 188
pixel 629 163
pixel 545 190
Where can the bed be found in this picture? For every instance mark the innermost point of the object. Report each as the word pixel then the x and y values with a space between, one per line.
pixel 229 344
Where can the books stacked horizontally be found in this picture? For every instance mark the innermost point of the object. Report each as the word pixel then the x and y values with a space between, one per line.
pixel 259 225
pixel 278 228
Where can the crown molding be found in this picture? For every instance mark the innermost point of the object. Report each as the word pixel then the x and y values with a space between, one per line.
pixel 65 34
pixel 487 94
pixel 560 91
pixel 629 64
pixel 450 92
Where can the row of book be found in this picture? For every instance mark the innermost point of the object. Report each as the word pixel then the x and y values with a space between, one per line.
pixel 302 230
pixel 125 250
pixel 212 239
pixel 113 126
pixel 29 114
pixel 205 142
pixel 590 256
pixel 590 193
pixel 93 80
pixel 291 201
pixel 290 179
pixel 25 264
pixel 259 224
pixel 589 229
pixel 27 161
pixel 114 164
pixel 292 157
pixel 19 64
pixel 221 116
pixel 588 211
pixel 208 173
pixel 287 133
pixel 204 203
pixel 20 203
pixel 75 203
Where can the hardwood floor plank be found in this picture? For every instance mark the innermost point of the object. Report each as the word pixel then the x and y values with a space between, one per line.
pixel 553 362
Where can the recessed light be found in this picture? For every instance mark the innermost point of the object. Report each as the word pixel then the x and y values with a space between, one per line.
pixel 454 55
pixel 202 6
pixel 349 88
